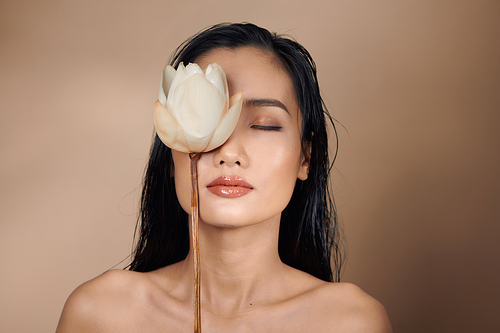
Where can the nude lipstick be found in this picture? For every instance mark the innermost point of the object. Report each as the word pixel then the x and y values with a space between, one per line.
pixel 229 186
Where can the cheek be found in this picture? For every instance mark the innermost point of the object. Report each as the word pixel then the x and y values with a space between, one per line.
pixel 287 155
pixel 282 163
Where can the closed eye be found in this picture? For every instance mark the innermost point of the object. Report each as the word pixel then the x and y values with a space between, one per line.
pixel 266 128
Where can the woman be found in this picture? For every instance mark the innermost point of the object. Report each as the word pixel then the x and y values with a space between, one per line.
pixel 265 255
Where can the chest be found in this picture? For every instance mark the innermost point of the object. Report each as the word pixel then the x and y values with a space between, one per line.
pixel 264 319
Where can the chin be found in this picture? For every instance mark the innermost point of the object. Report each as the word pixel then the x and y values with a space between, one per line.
pixel 235 218
pixel 225 219
pixel 222 225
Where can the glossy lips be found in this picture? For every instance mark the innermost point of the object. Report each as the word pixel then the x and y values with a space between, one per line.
pixel 229 187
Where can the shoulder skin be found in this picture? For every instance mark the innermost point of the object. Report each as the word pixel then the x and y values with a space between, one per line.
pixel 357 311
pixel 103 302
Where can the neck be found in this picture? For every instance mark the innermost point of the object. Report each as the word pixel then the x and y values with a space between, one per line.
pixel 239 265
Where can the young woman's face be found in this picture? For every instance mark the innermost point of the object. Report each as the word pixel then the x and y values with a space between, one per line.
pixel 251 177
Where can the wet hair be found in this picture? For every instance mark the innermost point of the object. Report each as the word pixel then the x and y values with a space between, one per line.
pixel 310 238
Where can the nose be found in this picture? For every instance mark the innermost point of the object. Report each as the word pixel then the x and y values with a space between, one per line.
pixel 231 153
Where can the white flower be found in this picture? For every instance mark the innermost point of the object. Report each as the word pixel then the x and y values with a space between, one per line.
pixel 194 113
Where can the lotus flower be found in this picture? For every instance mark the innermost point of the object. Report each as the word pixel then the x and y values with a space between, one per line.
pixel 194 112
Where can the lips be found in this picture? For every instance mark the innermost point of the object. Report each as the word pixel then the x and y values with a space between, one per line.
pixel 229 186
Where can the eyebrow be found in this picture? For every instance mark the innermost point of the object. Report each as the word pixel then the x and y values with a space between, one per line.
pixel 256 102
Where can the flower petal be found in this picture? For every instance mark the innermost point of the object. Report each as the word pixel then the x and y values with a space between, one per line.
pixel 227 123
pixel 191 114
pixel 209 68
pixel 217 77
pixel 197 105
pixel 167 77
pixel 194 69
pixel 180 76
pixel 168 129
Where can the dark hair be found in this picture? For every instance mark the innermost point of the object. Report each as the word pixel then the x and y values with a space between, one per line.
pixel 309 236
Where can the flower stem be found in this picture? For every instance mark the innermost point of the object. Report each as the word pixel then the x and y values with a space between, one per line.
pixel 196 245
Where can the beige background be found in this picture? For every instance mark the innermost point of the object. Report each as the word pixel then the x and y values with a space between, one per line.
pixel 414 83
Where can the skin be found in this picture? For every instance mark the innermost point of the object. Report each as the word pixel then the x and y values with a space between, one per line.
pixel 245 286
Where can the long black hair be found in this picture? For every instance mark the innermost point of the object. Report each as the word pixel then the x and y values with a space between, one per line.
pixel 310 236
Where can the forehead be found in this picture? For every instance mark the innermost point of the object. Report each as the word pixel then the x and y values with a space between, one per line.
pixel 256 72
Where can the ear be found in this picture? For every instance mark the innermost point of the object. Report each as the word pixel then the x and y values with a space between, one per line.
pixel 306 159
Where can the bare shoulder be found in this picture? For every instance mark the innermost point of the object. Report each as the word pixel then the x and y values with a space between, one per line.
pixel 95 304
pixel 334 307
pixel 353 309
